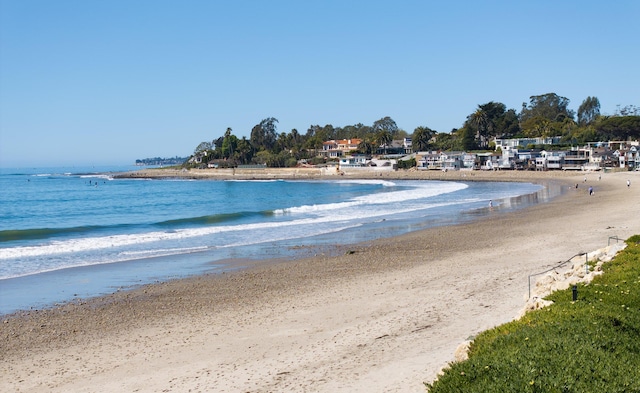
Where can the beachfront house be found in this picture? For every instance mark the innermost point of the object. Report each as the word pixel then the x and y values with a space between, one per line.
pixel 360 162
pixel 354 161
pixel 602 156
pixel 407 145
pixel 547 160
pixel 488 161
pixel 627 157
pixel 453 160
pixel 340 147
pixel 397 148
pixel 507 159
pixel 577 159
pixel 634 161
pixel 450 160
pixel 541 163
pixel 469 161
pixel 524 158
pixel 433 160
pixel 514 143
pixel 631 158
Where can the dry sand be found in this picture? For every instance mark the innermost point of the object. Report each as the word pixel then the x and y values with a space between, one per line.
pixel 385 318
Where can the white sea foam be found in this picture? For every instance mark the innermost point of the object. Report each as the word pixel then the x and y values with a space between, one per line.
pixel 162 251
pixel 336 215
pixel 341 220
pixel 385 183
pixel 405 196
pixel 398 200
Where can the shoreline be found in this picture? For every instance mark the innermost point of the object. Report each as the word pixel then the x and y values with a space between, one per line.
pixel 386 317
pixel 31 291
pixel 350 173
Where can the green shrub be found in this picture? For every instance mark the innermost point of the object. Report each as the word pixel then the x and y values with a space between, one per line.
pixel 590 345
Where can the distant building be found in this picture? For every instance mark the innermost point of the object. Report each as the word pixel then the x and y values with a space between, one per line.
pixel 514 143
pixel 340 147
pixel 355 161
pixel 440 160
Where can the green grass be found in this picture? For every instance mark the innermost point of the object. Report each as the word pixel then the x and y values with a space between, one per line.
pixel 590 345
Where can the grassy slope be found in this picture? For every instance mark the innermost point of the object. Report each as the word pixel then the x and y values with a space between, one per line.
pixel 591 345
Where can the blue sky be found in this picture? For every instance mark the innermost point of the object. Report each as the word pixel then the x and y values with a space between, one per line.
pixel 106 82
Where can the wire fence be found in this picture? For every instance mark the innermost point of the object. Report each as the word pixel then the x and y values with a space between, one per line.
pixel 586 261
pixel 557 266
pixel 616 238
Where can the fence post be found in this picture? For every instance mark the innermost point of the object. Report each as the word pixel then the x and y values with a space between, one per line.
pixel 586 263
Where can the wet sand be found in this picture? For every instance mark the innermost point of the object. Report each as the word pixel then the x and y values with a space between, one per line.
pixel 384 317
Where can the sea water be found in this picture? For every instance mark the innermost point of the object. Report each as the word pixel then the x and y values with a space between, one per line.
pixel 78 232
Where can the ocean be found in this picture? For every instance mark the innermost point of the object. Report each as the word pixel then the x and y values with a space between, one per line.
pixel 68 233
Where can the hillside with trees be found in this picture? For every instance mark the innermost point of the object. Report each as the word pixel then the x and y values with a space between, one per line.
pixel 543 116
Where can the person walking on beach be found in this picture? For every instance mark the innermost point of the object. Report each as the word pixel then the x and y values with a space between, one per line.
pixel 590 190
pixel 628 183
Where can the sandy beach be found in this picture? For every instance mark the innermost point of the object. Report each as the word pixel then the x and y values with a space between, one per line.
pixel 384 317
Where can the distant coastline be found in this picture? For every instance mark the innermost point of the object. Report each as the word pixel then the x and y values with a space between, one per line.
pixel 157 161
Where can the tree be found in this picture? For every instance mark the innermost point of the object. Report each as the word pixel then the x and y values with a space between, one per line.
pixel 539 126
pixel 549 106
pixel 545 115
pixel 466 138
pixel 481 121
pixel 384 138
pixel 407 164
pixel 217 143
pixel 421 138
pixel 618 128
pixel 386 124
pixel 263 135
pixel 401 134
pixel 202 147
pixel 296 140
pixel 568 125
pixel 447 141
pixel 627 110
pixel 366 146
pixel 244 151
pixel 588 111
pixel 492 120
pixel 229 145
pixel 507 125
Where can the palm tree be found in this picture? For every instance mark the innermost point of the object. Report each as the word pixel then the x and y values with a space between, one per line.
pixel 366 146
pixel 245 151
pixel 421 138
pixel 384 138
pixel 480 119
